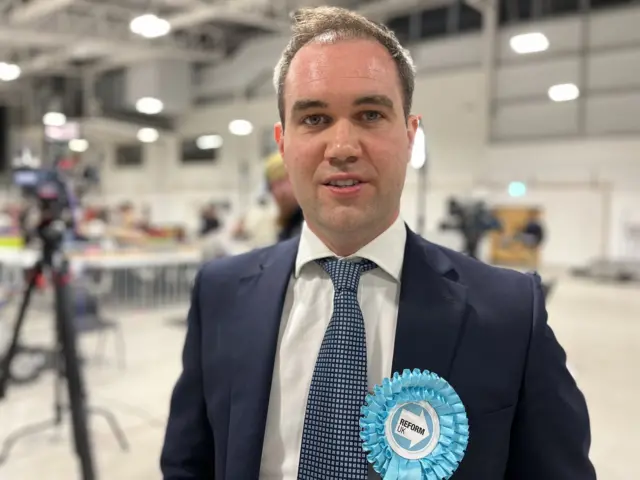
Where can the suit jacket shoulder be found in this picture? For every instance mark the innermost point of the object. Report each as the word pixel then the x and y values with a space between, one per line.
pixel 239 266
pixel 495 292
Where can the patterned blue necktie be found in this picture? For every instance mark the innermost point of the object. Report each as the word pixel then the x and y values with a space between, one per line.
pixel 331 444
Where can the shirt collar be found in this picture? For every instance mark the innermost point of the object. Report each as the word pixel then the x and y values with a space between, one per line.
pixel 386 250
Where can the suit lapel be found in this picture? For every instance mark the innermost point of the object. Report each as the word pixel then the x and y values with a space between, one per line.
pixel 254 337
pixel 431 310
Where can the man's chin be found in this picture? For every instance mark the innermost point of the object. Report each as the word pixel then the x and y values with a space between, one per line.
pixel 346 219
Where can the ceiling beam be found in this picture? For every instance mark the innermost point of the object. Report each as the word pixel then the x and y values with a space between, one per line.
pixel 383 10
pixel 36 10
pixel 242 13
pixel 64 47
pixel 380 10
pixel 479 5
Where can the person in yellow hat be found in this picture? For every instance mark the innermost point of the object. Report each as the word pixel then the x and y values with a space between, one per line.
pixel 290 218
pixel 263 224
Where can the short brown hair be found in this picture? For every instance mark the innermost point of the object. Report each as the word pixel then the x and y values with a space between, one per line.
pixel 332 24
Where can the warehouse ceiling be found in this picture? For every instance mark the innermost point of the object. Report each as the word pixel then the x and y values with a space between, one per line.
pixel 56 43
pixel 62 36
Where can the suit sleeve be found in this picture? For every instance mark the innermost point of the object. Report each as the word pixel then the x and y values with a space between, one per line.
pixel 551 434
pixel 187 453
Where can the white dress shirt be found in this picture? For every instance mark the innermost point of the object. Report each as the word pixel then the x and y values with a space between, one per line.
pixel 307 310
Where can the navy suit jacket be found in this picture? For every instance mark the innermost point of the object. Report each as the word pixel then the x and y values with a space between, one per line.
pixel 482 328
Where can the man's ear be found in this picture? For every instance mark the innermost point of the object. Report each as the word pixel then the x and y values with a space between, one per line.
pixel 413 122
pixel 278 135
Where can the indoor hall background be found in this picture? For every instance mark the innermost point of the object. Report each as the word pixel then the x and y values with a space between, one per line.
pixel 488 121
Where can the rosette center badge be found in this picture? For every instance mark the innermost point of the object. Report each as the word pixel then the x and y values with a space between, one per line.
pixel 413 430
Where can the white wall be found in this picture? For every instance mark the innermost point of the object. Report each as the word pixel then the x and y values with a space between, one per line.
pixel 586 187
pixel 174 192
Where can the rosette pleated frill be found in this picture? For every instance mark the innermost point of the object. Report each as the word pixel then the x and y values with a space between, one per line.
pixel 417 387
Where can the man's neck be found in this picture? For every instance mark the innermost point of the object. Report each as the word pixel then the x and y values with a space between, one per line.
pixel 348 243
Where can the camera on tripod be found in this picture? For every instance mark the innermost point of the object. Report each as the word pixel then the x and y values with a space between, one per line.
pixel 473 220
pixel 54 193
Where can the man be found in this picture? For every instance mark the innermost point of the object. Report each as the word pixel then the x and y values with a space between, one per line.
pixel 209 221
pixel 246 404
pixel 532 234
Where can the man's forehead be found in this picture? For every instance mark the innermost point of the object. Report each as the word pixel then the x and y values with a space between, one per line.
pixel 349 58
pixel 317 66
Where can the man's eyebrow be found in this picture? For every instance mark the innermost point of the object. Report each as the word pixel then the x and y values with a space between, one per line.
pixel 380 100
pixel 307 104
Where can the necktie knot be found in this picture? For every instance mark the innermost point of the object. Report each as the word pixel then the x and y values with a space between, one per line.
pixel 345 274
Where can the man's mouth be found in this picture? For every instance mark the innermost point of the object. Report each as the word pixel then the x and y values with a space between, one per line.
pixel 343 183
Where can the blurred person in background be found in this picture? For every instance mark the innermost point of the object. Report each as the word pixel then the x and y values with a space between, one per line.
pixel 124 226
pixel 532 233
pixel 290 217
pixel 144 222
pixel 95 225
pixel 209 220
pixel 284 343
pixel 125 216
pixel 263 226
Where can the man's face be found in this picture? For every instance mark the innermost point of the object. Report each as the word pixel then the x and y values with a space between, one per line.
pixel 345 124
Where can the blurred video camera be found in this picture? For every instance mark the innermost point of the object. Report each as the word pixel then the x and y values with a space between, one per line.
pixel 472 216
pixel 52 193
pixel 473 220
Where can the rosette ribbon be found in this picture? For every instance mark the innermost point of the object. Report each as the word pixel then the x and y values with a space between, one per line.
pixel 414 427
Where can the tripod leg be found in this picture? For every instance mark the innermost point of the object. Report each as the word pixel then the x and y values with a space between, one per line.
pixel 100 347
pixel 5 366
pixel 75 385
pixel 120 348
pixel 115 428
pixel 12 439
pixel 58 387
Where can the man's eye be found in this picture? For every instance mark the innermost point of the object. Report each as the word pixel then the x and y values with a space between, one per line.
pixel 314 120
pixel 371 116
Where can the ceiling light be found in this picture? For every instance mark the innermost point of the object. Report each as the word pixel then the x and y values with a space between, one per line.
pixel 78 145
pixel 529 43
pixel 148 135
pixel 149 105
pixel 209 142
pixel 517 189
pixel 419 150
pixel 150 26
pixel 241 127
pixel 9 72
pixel 54 119
pixel 564 92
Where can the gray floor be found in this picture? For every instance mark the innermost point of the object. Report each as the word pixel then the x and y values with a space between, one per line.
pixel 598 324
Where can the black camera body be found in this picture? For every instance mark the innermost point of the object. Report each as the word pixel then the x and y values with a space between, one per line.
pixel 473 220
pixel 45 185
pixel 52 203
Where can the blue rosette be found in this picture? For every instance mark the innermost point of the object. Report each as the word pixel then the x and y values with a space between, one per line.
pixel 414 427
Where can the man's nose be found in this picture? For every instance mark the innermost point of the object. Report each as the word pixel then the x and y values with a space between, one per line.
pixel 344 143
